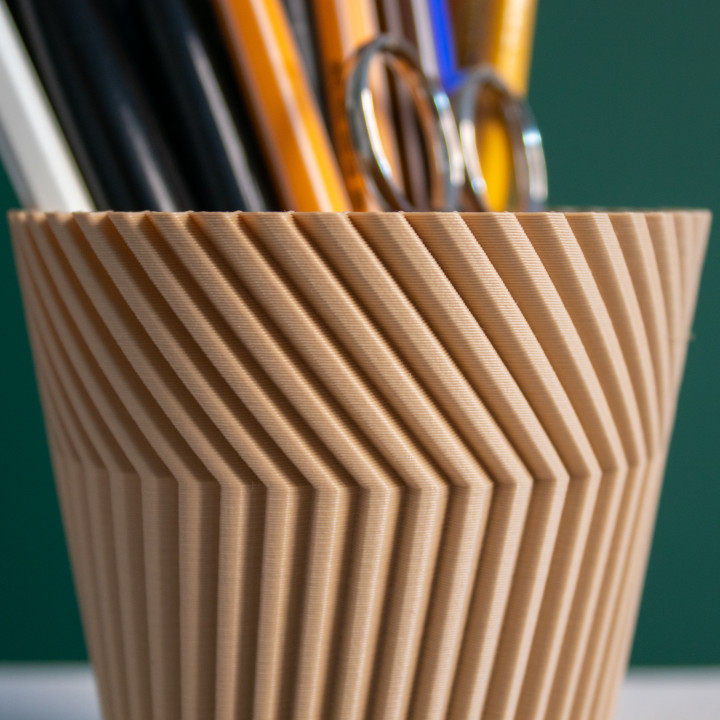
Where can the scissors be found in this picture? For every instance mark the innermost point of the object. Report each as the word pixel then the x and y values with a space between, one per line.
pixel 449 135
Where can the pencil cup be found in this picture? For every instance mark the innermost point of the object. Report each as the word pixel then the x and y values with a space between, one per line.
pixel 359 465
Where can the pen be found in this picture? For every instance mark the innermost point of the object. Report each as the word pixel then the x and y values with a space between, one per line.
pixel 56 71
pixel 443 42
pixel 226 169
pixel 35 153
pixel 287 117
pixel 103 106
pixel 417 20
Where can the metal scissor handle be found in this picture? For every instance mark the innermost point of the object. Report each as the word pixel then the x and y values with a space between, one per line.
pixel 453 154
pixel 527 150
pixel 437 122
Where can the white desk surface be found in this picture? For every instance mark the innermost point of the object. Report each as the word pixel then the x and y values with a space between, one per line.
pixel 67 692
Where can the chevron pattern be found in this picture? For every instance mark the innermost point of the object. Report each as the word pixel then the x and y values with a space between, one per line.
pixel 359 465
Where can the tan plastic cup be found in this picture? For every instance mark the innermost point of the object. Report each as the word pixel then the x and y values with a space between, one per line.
pixel 353 466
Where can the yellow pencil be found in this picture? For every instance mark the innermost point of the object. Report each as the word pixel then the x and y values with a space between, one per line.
pixel 511 35
pixel 287 118
pixel 503 33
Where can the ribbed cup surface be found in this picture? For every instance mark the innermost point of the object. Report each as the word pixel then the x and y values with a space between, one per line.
pixel 353 466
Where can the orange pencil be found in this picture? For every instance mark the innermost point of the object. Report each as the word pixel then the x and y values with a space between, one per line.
pixel 343 26
pixel 288 120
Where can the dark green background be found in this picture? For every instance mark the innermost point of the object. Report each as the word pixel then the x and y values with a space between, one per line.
pixel 627 94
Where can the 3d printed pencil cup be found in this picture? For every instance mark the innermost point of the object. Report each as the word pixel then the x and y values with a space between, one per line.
pixel 359 465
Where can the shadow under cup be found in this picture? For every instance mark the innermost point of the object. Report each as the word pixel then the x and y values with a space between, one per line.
pixel 358 465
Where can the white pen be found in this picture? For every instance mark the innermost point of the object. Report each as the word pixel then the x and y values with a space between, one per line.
pixel 33 148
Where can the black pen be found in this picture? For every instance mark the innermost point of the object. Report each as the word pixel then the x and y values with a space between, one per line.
pixel 220 150
pixel 104 102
